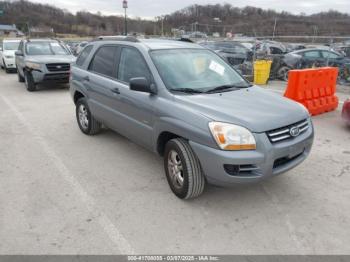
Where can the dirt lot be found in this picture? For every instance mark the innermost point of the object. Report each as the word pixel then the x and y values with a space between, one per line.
pixel 62 192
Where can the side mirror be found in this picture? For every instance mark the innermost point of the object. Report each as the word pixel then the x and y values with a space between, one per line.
pixel 141 84
pixel 19 53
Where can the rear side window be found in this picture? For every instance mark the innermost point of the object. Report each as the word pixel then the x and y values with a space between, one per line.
pixel 104 61
pixel 84 55
pixel 312 54
pixel 330 55
pixel 132 65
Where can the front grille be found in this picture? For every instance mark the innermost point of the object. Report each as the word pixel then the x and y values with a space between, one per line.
pixel 241 170
pixel 62 78
pixel 58 67
pixel 285 160
pixel 284 133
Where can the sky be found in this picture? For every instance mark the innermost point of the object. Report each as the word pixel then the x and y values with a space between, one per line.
pixel 152 8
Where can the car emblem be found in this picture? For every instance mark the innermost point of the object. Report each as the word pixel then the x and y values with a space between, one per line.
pixel 294 131
pixel 58 67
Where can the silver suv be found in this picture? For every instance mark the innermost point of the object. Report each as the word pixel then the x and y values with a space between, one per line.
pixel 43 61
pixel 187 104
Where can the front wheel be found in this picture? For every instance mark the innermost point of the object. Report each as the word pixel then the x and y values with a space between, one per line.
pixel 5 68
pixel 87 123
pixel 20 77
pixel 183 170
pixel 29 81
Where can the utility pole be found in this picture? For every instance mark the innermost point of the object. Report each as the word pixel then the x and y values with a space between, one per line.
pixel 125 6
pixel 162 19
pixel 274 29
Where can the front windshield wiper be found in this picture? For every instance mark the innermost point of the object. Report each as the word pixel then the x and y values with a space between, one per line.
pixel 227 87
pixel 187 90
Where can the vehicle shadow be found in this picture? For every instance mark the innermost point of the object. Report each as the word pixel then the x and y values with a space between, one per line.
pixel 51 87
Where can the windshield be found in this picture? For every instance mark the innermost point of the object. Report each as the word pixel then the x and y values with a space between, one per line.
pixel 46 48
pixel 11 46
pixel 197 69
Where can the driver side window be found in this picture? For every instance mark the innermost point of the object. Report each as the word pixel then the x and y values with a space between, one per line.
pixel 132 65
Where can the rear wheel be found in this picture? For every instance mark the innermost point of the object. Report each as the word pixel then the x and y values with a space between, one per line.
pixel 29 81
pixel 87 123
pixel 183 170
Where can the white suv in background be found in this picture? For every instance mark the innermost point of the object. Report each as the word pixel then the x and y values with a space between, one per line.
pixel 7 54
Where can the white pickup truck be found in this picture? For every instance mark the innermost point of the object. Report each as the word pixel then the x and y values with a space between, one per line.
pixel 7 54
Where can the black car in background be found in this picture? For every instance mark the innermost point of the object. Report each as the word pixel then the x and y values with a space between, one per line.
pixel 310 58
pixel 234 52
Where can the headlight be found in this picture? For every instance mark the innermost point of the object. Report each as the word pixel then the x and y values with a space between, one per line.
pixel 232 137
pixel 33 65
pixel 9 56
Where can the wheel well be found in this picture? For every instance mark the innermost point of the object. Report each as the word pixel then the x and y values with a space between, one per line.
pixel 77 96
pixel 163 139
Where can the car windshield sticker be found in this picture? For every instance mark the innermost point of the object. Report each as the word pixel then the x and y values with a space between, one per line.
pixel 216 67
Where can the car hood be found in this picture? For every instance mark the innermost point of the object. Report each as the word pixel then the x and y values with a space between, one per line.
pixel 254 108
pixel 9 52
pixel 52 59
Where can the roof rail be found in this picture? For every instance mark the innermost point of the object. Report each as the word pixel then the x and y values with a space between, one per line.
pixel 186 39
pixel 117 38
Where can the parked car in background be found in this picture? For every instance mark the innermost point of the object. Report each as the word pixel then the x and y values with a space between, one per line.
pixel 344 50
pixel 346 111
pixel 43 60
pixel 198 35
pixel 294 47
pixel 79 48
pixel 270 48
pixel 190 106
pixel 7 54
pixel 72 45
pixel 234 52
pixel 308 58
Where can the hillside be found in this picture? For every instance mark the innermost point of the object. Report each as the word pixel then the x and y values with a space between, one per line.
pixel 258 22
pixel 249 20
pixel 83 23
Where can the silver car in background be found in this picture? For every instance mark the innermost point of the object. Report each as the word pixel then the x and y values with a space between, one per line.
pixel 190 106
pixel 8 48
pixel 43 61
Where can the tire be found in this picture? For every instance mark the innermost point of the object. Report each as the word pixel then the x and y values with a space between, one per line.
pixel 86 122
pixel 20 78
pixel 282 73
pixel 5 68
pixel 29 81
pixel 3 65
pixel 179 157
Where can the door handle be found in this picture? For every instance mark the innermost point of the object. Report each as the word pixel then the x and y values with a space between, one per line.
pixel 86 78
pixel 116 91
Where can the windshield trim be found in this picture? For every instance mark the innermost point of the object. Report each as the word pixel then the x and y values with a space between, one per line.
pixel 202 90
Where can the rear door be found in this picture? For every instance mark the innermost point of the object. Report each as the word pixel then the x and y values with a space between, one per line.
pixel 102 87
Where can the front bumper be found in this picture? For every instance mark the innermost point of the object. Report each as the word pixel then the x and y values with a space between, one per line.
pixel 48 77
pixel 266 161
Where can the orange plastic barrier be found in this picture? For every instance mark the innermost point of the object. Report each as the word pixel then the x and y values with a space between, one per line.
pixel 314 88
